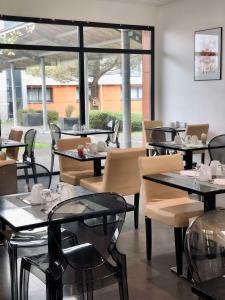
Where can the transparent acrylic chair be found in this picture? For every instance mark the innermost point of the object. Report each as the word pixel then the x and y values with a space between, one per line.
pixel 20 241
pixel 90 263
pixel 205 246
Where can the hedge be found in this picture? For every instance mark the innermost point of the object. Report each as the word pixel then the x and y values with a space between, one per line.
pixel 53 115
pixel 99 119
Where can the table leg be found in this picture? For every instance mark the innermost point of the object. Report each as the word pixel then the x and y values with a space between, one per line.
pixel 55 287
pixel 188 159
pixel 209 202
pixel 97 167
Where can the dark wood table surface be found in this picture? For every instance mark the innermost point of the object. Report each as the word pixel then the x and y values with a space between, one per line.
pixel 96 158
pixel 85 133
pixel 188 150
pixel 213 289
pixel 6 143
pixel 207 190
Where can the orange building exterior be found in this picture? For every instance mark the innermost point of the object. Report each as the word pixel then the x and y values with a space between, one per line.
pixel 109 99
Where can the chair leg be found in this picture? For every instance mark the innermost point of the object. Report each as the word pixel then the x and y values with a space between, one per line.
pixel 117 143
pixel 148 231
pixel 179 250
pixel 24 282
pixel 184 229
pixel 123 285
pixel 136 210
pixel 27 178
pixel 12 251
pixel 203 158
pixel 34 173
pixel 51 168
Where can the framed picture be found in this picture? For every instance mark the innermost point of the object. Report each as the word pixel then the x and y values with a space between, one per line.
pixel 208 49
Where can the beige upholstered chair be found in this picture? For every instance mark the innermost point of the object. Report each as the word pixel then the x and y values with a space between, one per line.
pixel 8 177
pixel 148 133
pixel 2 155
pixel 15 135
pixel 198 129
pixel 71 170
pixel 121 175
pixel 166 204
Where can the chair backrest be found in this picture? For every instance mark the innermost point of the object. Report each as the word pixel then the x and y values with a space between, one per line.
pixel 115 126
pixel 35 173
pixel 15 135
pixel 8 179
pixel 69 164
pixel 150 124
pixel 92 244
pixel 205 246
pixel 151 191
pixel 55 132
pixel 197 129
pixel 217 154
pixel 29 139
pixel 163 134
pixel 121 173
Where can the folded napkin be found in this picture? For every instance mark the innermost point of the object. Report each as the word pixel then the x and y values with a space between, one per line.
pixel 191 173
pixel 219 181
pixel 28 199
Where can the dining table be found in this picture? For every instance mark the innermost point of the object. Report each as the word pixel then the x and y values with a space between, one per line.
pixel 187 149
pixel 86 132
pixel 6 143
pixel 19 215
pixel 165 129
pixel 192 184
pixel 96 158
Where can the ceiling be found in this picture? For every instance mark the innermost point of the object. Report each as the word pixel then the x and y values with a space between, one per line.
pixel 149 2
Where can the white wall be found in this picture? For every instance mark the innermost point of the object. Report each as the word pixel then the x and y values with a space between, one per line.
pixel 81 10
pixel 182 98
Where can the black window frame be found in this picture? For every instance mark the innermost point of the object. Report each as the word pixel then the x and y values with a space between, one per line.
pixel 81 49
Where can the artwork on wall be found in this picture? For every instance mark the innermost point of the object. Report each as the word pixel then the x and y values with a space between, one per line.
pixel 208 49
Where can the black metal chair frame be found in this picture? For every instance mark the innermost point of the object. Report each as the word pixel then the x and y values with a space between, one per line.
pixel 113 137
pixel 215 150
pixel 54 129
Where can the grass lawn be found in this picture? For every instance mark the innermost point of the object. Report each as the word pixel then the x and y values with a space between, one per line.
pixel 42 146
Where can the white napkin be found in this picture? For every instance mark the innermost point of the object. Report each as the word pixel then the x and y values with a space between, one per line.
pixel 191 173
pixel 219 181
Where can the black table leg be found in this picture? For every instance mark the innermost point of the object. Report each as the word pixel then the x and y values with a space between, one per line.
pixel 188 159
pixel 97 167
pixel 55 287
pixel 209 202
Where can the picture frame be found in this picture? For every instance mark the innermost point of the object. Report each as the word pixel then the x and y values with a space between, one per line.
pixel 208 54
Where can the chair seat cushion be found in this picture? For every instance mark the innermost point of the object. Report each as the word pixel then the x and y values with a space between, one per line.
pixel 175 212
pixel 94 184
pixel 73 177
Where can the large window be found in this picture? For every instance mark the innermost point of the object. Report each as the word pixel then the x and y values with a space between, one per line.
pixel 72 72
pixel 34 94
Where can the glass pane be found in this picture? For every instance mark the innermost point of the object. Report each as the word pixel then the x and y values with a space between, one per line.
pixel 29 33
pixel 96 37
pixel 105 87
pixel 62 82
